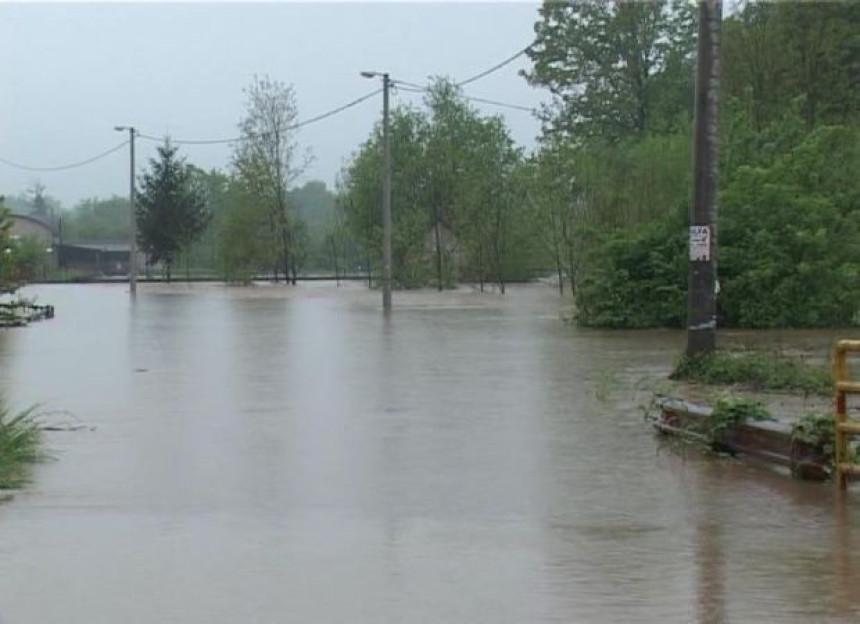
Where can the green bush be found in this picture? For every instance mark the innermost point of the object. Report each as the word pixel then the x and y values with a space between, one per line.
pixel 790 237
pixel 20 439
pixel 788 247
pixel 730 411
pixel 636 277
pixel 756 370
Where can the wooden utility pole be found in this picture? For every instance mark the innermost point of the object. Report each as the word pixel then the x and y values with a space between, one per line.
pixel 702 273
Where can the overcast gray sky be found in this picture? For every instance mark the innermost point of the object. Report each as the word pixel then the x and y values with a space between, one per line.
pixel 71 72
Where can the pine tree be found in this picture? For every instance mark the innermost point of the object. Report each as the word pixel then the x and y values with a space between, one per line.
pixel 171 210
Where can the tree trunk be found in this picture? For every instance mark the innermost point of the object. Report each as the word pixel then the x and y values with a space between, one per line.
pixel 560 276
pixel 438 255
pixel 334 261
pixel 499 276
pixel 293 265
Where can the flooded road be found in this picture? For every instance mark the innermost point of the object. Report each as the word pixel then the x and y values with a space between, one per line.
pixel 274 455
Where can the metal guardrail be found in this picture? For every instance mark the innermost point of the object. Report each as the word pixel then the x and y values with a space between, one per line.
pixel 845 427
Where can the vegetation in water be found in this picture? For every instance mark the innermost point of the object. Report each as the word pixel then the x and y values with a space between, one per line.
pixel 729 411
pixel 754 370
pixel 20 445
pixel 819 432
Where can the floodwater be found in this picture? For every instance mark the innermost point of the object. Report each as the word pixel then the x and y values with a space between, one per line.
pixel 274 454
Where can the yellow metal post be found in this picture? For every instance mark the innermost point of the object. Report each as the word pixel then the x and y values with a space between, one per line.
pixel 845 428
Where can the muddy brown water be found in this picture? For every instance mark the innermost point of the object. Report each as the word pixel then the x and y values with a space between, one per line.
pixel 278 454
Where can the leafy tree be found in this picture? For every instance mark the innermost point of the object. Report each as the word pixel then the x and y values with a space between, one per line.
pixel 489 195
pixel 615 68
pixel 267 160
pixel 7 268
pixel 791 229
pixel 314 208
pixel 247 244
pixel 171 209
pixel 205 253
pixel 98 219
pixel 776 53
pixel 451 134
pixel 360 198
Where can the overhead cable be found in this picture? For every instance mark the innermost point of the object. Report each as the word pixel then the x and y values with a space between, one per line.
pixel 294 126
pixel 410 88
pixel 74 165
pixel 494 68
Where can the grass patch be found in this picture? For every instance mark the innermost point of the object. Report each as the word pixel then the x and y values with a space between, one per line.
pixel 20 446
pixel 755 370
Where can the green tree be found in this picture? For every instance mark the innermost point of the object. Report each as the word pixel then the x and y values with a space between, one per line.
pixel 614 68
pixel 359 198
pixel 247 244
pixel 314 207
pixel 7 267
pixel 458 203
pixel 205 253
pixel 267 160
pixel 171 209
pixel 489 196
pixel 98 219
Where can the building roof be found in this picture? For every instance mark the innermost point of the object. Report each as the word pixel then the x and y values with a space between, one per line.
pixel 103 246
pixel 37 221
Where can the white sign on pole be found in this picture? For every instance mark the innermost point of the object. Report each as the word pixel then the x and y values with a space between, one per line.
pixel 700 243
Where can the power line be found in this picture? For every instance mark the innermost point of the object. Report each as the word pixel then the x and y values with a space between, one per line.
pixel 502 104
pixel 64 167
pixel 411 88
pixel 494 68
pixel 294 126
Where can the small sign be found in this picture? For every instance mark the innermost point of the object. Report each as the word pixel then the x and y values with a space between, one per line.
pixel 700 243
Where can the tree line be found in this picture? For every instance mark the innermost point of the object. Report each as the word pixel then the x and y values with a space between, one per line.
pixel 600 203
pixel 619 127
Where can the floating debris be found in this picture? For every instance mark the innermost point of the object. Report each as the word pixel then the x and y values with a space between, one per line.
pixel 23 312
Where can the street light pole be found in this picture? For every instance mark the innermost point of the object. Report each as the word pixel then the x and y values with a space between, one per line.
pixel 132 260
pixel 386 192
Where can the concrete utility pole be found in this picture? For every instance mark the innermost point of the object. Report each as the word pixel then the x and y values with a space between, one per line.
pixel 702 273
pixel 386 192
pixel 132 259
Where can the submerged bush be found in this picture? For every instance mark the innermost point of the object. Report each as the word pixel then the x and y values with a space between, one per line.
pixel 20 441
pixel 730 411
pixel 756 370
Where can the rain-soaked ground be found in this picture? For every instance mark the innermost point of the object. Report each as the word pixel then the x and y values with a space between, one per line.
pixel 273 454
